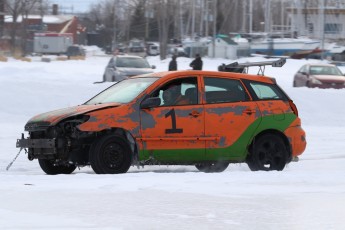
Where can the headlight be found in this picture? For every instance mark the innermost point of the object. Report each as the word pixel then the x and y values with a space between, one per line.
pixel 315 81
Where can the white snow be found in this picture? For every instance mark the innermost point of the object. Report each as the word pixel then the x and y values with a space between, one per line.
pixel 309 194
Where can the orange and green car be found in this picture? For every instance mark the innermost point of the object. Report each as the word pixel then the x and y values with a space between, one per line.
pixel 203 118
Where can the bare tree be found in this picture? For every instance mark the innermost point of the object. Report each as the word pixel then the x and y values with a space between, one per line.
pixel 17 8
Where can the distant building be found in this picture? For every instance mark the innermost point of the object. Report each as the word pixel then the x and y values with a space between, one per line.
pixel 308 22
pixel 225 47
pixel 46 24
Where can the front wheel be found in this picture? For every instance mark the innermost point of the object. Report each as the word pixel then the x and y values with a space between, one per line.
pixel 268 153
pixel 212 167
pixel 110 154
pixel 51 168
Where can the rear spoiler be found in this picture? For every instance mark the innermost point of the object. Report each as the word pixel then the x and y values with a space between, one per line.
pixel 243 67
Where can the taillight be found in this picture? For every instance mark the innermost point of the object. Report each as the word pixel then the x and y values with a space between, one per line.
pixel 293 107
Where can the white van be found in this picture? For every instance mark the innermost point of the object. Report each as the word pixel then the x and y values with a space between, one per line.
pixel 153 50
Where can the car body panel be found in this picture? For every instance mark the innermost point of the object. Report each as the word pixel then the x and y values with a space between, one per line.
pixel 53 117
pixel 165 128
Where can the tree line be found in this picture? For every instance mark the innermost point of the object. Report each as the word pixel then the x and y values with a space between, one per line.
pixel 163 20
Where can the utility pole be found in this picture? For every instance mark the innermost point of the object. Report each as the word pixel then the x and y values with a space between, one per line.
pixel 149 14
pixel 193 19
pixel 214 27
pixel 114 26
pixel 299 18
pixel 207 18
pixel 244 15
pixel 282 17
pixel 322 26
pixel 181 20
pixel 267 16
pixel 202 11
pixel 250 16
pixel 2 17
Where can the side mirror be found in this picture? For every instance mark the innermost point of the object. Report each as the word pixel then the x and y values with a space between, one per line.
pixel 150 103
pixel 153 67
pixel 304 73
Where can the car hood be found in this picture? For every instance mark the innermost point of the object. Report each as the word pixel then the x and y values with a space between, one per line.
pixel 53 117
pixel 134 71
pixel 330 78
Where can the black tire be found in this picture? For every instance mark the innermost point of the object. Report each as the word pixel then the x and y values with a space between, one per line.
pixel 294 84
pixel 268 153
pixel 110 154
pixel 50 168
pixel 212 167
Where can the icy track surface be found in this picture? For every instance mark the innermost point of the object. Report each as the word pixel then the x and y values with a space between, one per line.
pixel 309 194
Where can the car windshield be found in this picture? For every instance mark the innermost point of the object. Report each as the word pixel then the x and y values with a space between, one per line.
pixel 325 70
pixel 123 91
pixel 130 62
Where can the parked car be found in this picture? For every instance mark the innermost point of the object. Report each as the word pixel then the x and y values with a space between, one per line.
pixel 123 66
pixel 203 118
pixel 75 50
pixel 152 49
pixel 178 52
pixel 320 76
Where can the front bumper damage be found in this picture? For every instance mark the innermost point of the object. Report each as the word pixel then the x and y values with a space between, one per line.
pixel 36 143
pixel 42 148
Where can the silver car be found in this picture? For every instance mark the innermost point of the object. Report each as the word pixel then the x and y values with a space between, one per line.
pixel 123 66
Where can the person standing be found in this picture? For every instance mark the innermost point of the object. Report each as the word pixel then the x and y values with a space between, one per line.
pixel 173 63
pixel 196 64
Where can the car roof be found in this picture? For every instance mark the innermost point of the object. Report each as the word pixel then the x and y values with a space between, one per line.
pixel 127 56
pixel 320 64
pixel 173 74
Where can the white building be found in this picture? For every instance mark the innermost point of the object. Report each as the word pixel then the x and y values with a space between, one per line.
pixel 225 47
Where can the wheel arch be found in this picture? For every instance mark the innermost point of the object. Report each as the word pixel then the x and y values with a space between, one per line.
pixel 275 132
pixel 127 135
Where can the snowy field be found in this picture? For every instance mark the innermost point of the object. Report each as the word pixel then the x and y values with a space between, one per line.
pixel 309 194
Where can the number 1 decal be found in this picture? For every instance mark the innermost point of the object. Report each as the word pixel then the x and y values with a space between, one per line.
pixel 173 123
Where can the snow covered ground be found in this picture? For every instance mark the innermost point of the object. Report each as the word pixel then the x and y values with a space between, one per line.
pixel 309 194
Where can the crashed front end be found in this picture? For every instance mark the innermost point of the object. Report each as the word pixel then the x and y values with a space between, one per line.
pixel 62 142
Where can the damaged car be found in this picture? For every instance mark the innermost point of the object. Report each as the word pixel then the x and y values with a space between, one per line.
pixel 207 119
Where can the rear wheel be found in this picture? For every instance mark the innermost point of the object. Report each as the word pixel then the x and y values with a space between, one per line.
pixel 268 153
pixel 212 167
pixel 110 155
pixel 51 168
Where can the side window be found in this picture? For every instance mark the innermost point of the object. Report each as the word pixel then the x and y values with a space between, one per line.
pixel 303 69
pixel 266 91
pixel 183 91
pixel 222 90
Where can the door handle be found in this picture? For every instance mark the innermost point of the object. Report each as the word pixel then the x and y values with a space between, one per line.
pixel 249 111
pixel 194 113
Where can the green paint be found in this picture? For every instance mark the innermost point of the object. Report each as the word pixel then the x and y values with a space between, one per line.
pixel 235 152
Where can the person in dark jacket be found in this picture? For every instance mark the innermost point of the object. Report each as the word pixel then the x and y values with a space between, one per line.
pixel 173 64
pixel 196 64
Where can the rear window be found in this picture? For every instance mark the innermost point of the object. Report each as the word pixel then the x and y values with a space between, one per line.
pixel 222 90
pixel 266 91
pixel 129 62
